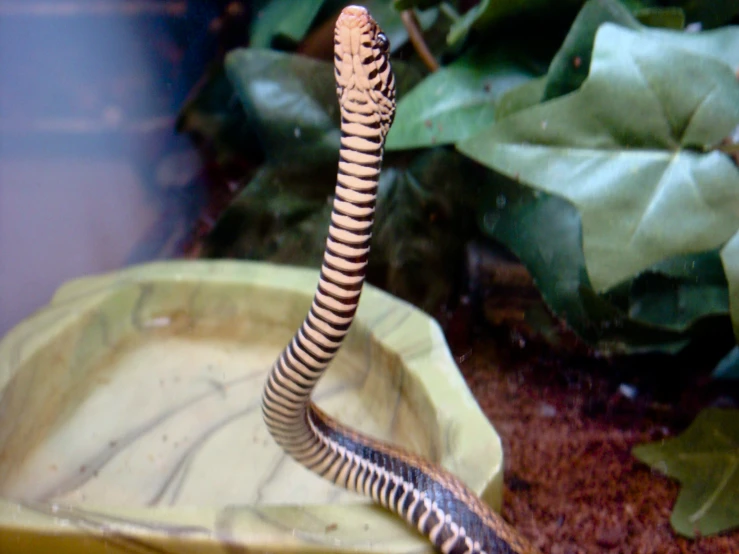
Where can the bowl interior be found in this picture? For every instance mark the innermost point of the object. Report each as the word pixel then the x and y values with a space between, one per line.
pixel 130 416
pixel 150 396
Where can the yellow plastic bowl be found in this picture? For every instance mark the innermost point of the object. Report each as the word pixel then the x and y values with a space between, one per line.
pixel 130 416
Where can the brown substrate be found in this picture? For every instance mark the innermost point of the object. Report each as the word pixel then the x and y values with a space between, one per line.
pixel 572 485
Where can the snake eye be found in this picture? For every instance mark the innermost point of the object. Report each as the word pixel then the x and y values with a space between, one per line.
pixel 382 41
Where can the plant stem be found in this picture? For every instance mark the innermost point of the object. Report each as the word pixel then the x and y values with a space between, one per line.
pixel 416 37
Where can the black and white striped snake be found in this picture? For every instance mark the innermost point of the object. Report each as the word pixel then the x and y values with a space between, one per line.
pixel 429 498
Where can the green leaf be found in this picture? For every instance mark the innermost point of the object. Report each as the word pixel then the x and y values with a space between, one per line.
pixel 288 19
pixel 705 459
pixel 667 302
pixel 709 13
pixel 676 292
pixel 720 44
pixel 456 101
pixel 423 224
pixel 571 64
pixel 489 12
pixel 668 18
pixel 524 220
pixel 685 294
pixel 636 5
pixel 728 367
pixel 389 20
pixel 626 150
pixel 291 101
pixel 281 216
pixel 420 4
pixel 521 97
pixel 543 231
pixel 420 232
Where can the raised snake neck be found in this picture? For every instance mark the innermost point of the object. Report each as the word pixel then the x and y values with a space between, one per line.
pixel 429 498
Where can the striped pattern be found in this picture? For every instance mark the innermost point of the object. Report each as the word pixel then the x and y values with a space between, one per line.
pixel 428 498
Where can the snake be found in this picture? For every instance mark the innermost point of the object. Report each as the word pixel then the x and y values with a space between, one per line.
pixel 429 498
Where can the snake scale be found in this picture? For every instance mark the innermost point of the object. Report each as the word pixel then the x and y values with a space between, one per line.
pixel 429 498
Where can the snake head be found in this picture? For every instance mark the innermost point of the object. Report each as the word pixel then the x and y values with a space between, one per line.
pixel 364 80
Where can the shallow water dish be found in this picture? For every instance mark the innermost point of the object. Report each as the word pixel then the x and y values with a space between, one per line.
pixel 130 416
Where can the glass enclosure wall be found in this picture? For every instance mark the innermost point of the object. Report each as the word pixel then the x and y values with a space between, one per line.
pixel 92 173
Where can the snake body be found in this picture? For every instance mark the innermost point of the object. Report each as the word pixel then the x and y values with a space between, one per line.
pixel 429 498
